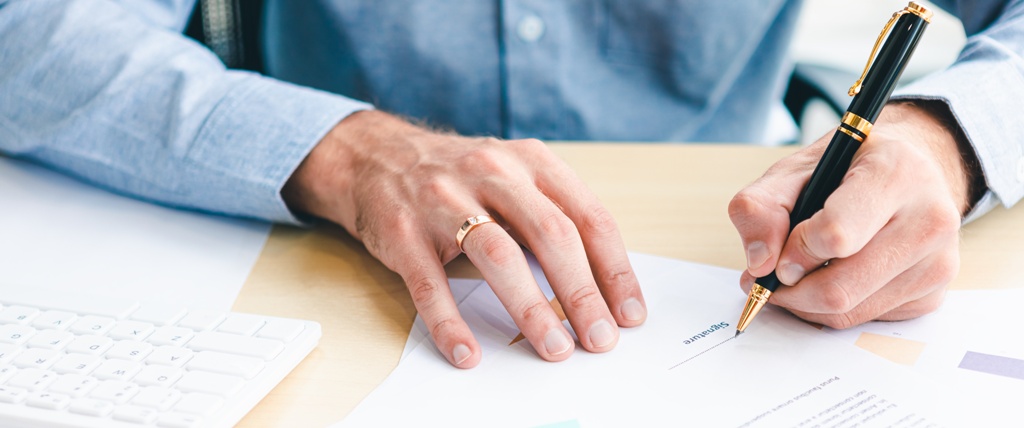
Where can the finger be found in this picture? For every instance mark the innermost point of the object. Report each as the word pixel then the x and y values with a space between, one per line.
pixel 909 310
pixel 504 266
pixel 871 193
pixel 913 293
pixel 916 308
pixel 559 249
pixel 604 249
pixel 428 286
pixel 760 212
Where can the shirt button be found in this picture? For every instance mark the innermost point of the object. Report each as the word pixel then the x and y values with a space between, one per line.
pixel 530 28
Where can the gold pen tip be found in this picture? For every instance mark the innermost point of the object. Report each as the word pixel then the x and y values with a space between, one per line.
pixel 738 333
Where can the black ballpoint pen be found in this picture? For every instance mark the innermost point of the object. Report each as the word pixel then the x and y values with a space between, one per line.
pixel 879 81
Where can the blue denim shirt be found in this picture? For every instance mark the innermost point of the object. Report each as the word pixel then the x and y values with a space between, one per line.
pixel 112 92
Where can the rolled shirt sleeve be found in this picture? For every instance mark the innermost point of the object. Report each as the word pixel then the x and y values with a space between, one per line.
pixel 984 89
pixel 107 95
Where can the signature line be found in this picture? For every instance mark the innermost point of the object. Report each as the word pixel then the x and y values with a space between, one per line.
pixel 702 352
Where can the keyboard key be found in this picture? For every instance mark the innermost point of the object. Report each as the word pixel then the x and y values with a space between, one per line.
pixel 90 324
pixel 51 339
pixel 201 320
pixel 159 315
pixel 131 330
pixel 178 420
pixel 211 383
pixel 32 379
pixel 280 329
pixel 74 385
pixel 91 407
pixel 158 376
pixel 158 398
pixel 13 395
pixel 171 336
pixel 116 391
pixel 117 370
pixel 6 371
pixel 129 350
pixel 8 352
pixel 48 400
pixel 17 315
pixel 15 334
pixel 37 358
pixel 233 344
pixel 170 356
pixel 199 404
pixel 139 415
pixel 241 324
pixel 56 320
pixel 89 344
pixel 77 364
pixel 234 365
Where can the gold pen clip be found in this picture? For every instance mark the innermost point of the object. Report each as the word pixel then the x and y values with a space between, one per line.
pixel 913 8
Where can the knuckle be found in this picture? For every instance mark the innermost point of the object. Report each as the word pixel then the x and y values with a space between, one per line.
pixel 532 145
pixel 829 240
pixel 617 275
pixel 497 249
pixel 535 311
pixel 744 204
pixel 947 268
pixel 441 326
pixel 557 228
pixel 599 221
pixel 424 290
pixel 435 188
pixel 943 220
pixel 840 321
pixel 835 299
pixel 487 160
pixel 583 297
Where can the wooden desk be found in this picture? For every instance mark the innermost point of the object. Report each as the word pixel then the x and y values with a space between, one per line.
pixel 669 200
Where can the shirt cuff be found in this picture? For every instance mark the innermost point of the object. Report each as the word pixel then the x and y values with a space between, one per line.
pixel 982 91
pixel 256 137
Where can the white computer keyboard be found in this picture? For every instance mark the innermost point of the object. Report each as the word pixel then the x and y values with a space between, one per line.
pixel 88 361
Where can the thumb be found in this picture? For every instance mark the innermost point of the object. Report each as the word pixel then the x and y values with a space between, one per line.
pixel 760 212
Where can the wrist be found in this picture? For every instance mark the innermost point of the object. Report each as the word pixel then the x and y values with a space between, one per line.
pixel 937 127
pixel 321 184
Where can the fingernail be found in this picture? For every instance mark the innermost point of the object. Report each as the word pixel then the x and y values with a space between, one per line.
pixel 601 334
pixel 555 342
pixel 757 254
pixel 632 310
pixel 461 353
pixel 790 273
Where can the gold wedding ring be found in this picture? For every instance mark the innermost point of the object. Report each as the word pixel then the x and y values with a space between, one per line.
pixel 471 223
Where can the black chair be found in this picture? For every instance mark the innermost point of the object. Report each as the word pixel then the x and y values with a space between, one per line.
pixel 230 28
pixel 817 82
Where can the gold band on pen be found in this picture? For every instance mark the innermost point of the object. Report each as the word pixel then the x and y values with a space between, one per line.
pixel 919 10
pixel 859 123
pixel 851 133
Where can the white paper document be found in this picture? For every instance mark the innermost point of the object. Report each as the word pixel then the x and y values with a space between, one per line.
pixel 60 234
pixel 681 368
pixel 971 343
